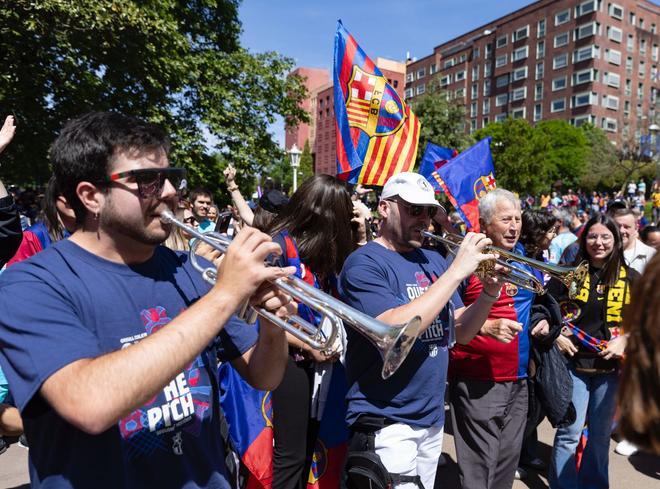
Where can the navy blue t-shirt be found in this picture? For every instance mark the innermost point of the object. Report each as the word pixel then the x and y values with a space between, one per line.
pixel 65 304
pixel 374 280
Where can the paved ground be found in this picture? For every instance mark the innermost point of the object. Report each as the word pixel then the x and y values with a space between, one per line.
pixel 637 472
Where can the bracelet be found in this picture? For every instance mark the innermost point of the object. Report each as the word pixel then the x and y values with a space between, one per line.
pixel 491 296
pixel 232 189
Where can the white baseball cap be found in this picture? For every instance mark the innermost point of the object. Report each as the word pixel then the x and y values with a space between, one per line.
pixel 411 187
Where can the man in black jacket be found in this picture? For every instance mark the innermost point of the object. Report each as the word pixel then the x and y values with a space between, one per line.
pixel 10 223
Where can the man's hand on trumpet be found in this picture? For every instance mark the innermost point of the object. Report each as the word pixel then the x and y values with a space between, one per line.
pixel 470 255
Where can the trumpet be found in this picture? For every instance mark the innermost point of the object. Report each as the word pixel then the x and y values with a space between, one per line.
pixel 393 342
pixel 571 277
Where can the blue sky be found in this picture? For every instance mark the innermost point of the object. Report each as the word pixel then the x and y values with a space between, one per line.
pixel 304 30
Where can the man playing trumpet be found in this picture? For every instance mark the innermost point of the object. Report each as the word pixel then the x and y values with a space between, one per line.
pixel 109 340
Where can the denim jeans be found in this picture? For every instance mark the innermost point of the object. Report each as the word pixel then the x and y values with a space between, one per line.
pixel 594 397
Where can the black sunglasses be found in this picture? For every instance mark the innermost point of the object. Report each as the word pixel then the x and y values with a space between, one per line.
pixel 150 181
pixel 417 210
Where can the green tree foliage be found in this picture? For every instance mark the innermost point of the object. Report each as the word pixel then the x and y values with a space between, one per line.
pixel 601 159
pixel 442 121
pixel 306 169
pixel 518 155
pixel 175 63
pixel 566 155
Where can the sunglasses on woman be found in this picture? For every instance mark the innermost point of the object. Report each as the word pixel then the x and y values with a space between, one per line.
pixel 150 181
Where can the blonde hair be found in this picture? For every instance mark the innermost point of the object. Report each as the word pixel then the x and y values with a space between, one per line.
pixel 176 241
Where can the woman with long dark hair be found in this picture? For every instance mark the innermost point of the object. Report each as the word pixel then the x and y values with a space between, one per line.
pixel 315 232
pixel 594 346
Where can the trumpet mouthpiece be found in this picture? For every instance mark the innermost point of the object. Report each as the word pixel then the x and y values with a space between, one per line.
pixel 166 216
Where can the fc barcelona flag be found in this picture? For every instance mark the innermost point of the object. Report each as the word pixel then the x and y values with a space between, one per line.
pixel 435 157
pixel 467 178
pixel 377 133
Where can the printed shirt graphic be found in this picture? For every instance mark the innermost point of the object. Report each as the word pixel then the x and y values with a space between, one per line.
pixel 95 307
pixel 375 279
pixel 485 358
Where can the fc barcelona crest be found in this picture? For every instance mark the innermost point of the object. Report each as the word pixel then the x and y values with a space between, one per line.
pixel 483 185
pixel 372 105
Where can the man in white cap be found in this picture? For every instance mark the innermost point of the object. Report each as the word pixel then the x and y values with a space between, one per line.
pixel 400 420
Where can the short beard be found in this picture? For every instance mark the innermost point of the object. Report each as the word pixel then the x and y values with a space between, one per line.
pixel 136 231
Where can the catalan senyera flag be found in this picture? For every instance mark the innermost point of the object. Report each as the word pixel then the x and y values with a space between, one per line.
pixel 377 133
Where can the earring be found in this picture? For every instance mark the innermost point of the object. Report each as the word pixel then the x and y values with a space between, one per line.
pixel 96 216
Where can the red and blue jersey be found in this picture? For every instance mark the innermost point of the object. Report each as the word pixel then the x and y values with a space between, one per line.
pixel 485 358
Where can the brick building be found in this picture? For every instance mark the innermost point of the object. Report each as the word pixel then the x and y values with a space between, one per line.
pixel 594 60
pixel 315 78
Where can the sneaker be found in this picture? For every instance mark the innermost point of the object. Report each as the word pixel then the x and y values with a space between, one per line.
pixel 536 464
pixel 625 448
pixel 521 474
pixel 22 442
pixel 3 446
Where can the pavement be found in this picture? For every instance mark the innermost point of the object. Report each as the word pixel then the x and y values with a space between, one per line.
pixel 640 471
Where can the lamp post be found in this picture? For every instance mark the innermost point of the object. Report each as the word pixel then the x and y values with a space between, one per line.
pixel 294 154
pixel 653 129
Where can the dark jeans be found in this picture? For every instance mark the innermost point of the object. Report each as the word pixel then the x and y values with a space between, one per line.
pixel 295 433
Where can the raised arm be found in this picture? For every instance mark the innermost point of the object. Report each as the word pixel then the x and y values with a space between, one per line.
pixel 243 208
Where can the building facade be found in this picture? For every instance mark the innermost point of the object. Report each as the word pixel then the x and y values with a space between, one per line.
pixel 583 61
pixel 315 78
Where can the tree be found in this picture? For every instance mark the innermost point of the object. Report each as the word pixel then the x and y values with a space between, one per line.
pixel 306 169
pixel 566 154
pixel 518 151
pixel 600 160
pixel 442 121
pixel 178 64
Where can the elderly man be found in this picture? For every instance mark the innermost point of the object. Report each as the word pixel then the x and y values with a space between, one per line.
pixel 636 253
pixel 399 421
pixel 488 393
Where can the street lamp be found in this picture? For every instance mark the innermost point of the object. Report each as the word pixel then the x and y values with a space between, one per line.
pixel 294 154
pixel 653 129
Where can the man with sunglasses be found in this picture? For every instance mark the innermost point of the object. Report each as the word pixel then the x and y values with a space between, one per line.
pixel 110 341
pixel 392 278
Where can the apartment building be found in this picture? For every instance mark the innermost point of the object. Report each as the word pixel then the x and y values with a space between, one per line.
pixel 582 61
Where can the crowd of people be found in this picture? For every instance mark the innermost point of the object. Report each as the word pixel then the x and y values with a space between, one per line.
pixel 110 339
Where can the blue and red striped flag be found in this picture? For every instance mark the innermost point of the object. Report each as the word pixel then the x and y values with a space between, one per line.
pixel 377 133
pixel 466 179
pixel 435 157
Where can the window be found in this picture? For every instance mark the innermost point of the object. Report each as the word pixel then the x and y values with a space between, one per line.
pixel 630 43
pixel 484 122
pixel 519 34
pixel 459 76
pixel 421 73
pixel 449 63
pixel 586 30
pixel 502 81
pixel 519 74
pixel 559 83
pixel 420 89
pixel 473 125
pixel 631 17
pixel 488 70
pixel 519 93
pixel 501 99
pixel 654 53
pixel 518 113
pixel 616 11
pixel 614 34
pixel 613 56
pixel 433 69
pixel 558 105
pixel 629 65
pixel 584 76
pixel 585 8
pixel 486 88
pixel 562 17
pixel 473 109
pixel 475 73
pixel 560 61
pixel 475 91
pixel 626 108
pixel 538 91
pixel 538 112
pixel 628 90
pixel 642 47
pixel 462 58
pixel 540 49
pixel 460 93
pixel 485 108
pixel 642 68
pixel 410 77
pixel 613 80
pixel 475 53
pixel 489 51
pixel 500 61
pixel 445 80
pixel 582 99
pixel 609 124
pixel 539 70
pixel 540 28
pixel 500 42
pixel 561 40
pixel 520 53
pixel 500 117
pixel 611 102
pixel 408 93
pixel 581 119
pixel 584 54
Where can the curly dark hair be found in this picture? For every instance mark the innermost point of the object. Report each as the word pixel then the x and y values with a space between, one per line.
pixel 535 224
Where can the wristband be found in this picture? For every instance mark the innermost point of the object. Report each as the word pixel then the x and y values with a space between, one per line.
pixel 491 296
pixel 232 189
